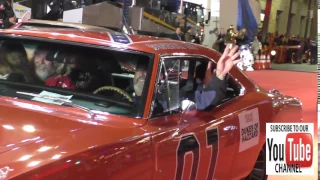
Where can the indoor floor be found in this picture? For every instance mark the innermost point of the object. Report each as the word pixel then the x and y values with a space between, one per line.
pixel 302 85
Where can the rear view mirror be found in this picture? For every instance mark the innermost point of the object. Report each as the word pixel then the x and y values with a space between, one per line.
pixel 187 105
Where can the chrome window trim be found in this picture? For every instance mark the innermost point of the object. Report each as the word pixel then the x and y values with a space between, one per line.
pixel 156 87
pixel 163 57
pixel 177 55
pixel 166 81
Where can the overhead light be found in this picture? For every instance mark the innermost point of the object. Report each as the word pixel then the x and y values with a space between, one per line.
pixel 33 163
pixel 57 156
pixel 8 127
pixel 45 148
pixel 25 157
pixel 29 128
pixel 262 17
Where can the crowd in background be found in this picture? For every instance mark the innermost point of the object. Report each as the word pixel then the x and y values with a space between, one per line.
pixel 218 39
pixel 215 39
pixel 305 45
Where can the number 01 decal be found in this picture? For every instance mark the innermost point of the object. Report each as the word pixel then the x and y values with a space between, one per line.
pixel 189 144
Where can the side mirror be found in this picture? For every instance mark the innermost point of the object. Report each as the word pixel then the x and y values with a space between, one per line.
pixel 187 105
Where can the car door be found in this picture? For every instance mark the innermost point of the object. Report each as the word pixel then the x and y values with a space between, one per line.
pixel 189 144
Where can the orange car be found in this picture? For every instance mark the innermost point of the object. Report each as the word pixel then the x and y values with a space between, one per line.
pixel 68 110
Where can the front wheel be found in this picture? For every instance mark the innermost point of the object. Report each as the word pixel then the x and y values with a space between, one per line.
pixel 259 170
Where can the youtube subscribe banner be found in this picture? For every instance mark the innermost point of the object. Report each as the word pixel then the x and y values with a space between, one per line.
pixel 289 148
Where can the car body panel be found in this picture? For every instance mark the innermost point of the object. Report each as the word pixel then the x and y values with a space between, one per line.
pixel 56 134
pixel 115 147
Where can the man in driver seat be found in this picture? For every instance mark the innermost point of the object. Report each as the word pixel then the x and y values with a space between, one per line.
pixel 212 90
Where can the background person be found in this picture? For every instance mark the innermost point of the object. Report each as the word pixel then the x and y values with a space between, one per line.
pixel 177 35
pixel 211 39
pixel 222 46
pixel 188 37
pixel 7 16
pixel 216 40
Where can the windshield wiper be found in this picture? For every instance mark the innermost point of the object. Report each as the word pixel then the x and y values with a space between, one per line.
pixel 61 100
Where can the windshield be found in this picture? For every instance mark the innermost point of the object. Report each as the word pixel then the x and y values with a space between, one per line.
pixel 91 78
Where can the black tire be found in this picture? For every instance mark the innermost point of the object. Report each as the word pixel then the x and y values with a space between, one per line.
pixel 259 170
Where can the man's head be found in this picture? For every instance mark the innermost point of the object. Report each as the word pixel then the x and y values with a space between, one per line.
pixel 222 31
pixel 43 68
pixel 178 30
pixel 139 78
pixel 189 29
pixel 13 54
pixel 2 4
pixel 216 30
pixel 200 73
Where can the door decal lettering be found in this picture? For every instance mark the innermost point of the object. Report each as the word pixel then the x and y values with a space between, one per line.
pixel 189 144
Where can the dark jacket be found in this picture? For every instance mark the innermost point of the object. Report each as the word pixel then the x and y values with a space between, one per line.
pixel 188 37
pixel 212 95
pixel 221 44
pixel 6 14
pixel 175 36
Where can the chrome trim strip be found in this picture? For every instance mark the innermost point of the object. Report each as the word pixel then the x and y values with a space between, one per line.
pixel 166 81
pixel 156 87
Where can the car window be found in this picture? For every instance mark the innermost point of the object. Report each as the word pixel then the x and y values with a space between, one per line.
pixel 234 89
pixel 166 96
pixel 79 76
pixel 179 79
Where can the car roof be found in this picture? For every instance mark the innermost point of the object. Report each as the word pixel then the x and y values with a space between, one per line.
pixel 104 38
pixel 59 24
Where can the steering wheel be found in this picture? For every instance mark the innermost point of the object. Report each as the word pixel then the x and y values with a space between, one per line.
pixel 115 89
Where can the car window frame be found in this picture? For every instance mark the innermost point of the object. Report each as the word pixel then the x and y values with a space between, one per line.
pixel 163 57
pixel 151 57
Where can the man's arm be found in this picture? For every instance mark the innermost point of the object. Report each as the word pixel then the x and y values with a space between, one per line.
pixel 219 85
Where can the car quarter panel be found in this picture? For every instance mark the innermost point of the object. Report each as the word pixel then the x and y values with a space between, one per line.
pixel 287 109
pixel 271 108
pixel 255 111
